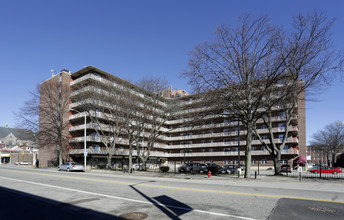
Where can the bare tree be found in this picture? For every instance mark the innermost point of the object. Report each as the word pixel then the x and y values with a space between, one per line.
pixel 309 63
pixel 237 70
pixel 53 116
pixel 27 116
pixel 330 140
pixel 107 106
pixel 242 69
pixel 154 112
pixel 46 113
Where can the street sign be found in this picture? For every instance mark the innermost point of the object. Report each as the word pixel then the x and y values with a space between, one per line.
pixel 85 153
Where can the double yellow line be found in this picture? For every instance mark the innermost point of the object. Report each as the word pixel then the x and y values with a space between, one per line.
pixel 173 187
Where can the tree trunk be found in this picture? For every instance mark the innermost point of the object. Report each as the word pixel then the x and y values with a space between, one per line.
pixel 144 162
pixel 334 159
pixel 109 159
pixel 59 147
pixel 130 160
pixel 277 163
pixel 248 150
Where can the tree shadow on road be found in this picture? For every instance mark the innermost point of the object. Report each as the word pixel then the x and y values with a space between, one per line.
pixel 171 207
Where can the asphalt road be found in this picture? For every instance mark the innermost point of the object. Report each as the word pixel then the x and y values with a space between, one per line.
pixel 29 193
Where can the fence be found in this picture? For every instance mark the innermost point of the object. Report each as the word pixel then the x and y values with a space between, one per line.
pixel 314 172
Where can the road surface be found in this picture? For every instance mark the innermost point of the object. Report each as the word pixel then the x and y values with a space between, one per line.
pixel 30 193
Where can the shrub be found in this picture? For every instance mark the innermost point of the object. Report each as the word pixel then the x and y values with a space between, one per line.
pixel 164 169
pixel 101 166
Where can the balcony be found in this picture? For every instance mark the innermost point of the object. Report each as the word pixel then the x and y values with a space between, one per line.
pixel 117 151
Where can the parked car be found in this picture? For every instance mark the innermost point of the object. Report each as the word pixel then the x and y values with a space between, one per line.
pixel 285 168
pixel 185 168
pixel 203 168
pixel 193 168
pixel 332 170
pixel 214 168
pixel 23 163
pixel 71 166
pixel 231 169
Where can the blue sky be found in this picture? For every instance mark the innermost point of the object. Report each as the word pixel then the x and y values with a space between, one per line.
pixel 133 39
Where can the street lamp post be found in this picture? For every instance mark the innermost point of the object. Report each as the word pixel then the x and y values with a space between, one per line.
pixel 239 142
pixel 85 141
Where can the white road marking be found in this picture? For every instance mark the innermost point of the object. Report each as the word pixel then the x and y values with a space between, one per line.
pixel 130 200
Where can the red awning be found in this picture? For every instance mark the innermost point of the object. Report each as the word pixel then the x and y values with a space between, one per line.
pixel 301 159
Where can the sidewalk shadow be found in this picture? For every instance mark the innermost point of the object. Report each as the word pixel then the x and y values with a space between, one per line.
pixel 171 207
pixel 19 205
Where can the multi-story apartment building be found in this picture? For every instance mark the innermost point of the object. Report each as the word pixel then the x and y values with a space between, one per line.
pixel 184 138
pixel 316 155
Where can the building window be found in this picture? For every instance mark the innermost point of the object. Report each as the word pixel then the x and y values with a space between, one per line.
pixel 226 141
pixel 282 116
pixel 226 150
pixel 254 148
pixel 226 162
pixel 97 113
pixel 264 127
pixel 253 161
pixel 281 127
pixel 264 161
pixel 226 131
pixel 95 136
pixel 211 150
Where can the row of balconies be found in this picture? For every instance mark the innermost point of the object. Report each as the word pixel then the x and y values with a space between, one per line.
pixel 122 152
pixel 190 128
pixel 105 81
pixel 290 140
pixel 90 138
pixel 186 137
pixel 171 122
pixel 103 151
pixel 224 134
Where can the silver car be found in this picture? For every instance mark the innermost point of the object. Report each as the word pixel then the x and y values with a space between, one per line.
pixel 71 166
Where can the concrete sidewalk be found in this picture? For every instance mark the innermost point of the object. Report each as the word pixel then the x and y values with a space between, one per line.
pixel 282 182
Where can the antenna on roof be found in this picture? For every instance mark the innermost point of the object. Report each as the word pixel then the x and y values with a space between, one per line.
pixel 52 73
